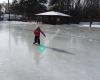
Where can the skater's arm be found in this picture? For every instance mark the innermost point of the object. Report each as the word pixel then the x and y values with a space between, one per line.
pixel 43 33
pixel 33 30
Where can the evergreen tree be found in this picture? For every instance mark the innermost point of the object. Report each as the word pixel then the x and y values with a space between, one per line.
pixel 29 7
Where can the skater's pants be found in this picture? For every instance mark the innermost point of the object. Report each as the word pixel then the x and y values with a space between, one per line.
pixel 37 39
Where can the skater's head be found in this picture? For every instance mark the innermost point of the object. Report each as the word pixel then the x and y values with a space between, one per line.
pixel 38 28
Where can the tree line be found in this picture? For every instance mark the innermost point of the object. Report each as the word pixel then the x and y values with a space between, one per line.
pixel 78 9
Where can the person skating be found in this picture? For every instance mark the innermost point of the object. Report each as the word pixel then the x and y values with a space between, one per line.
pixel 37 33
pixel 91 23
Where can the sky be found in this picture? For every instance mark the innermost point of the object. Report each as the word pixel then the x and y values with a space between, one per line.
pixel 5 1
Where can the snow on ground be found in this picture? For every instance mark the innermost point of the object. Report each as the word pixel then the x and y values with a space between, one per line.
pixel 86 24
pixel 69 52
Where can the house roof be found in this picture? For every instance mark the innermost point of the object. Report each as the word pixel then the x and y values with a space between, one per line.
pixel 53 13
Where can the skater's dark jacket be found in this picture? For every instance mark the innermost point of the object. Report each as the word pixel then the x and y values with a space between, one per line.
pixel 37 32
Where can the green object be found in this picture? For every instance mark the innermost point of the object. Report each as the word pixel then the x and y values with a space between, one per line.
pixel 41 48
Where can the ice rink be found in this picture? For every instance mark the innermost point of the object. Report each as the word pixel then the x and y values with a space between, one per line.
pixel 69 52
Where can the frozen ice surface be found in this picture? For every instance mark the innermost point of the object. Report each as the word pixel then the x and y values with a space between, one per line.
pixel 70 52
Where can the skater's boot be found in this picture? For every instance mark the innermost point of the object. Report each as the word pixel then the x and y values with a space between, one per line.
pixel 39 44
pixel 34 43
